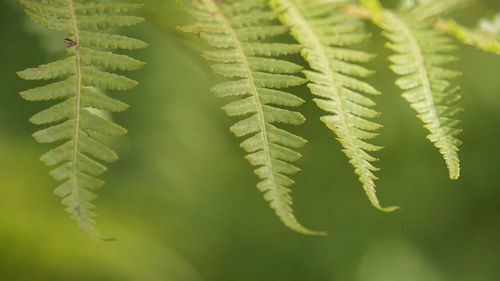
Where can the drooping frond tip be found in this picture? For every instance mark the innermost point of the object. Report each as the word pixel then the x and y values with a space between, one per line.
pixel 326 36
pixel 240 36
pixel 422 54
pixel 83 77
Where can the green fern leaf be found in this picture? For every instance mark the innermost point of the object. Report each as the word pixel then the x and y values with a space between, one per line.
pixel 488 42
pixel 83 75
pixel 325 36
pixel 436 8
pixel 236 31
pixel 421 55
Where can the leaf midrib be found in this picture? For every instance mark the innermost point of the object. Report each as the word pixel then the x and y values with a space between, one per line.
pixel 78 71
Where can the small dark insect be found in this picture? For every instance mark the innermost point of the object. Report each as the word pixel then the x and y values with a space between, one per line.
pixel 69 42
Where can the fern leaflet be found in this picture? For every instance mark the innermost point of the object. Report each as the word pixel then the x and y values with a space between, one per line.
pixel 325 36
pixel 488 42
pixel 435 8
pixel 237 31
pixel 82 77
pixel 422 54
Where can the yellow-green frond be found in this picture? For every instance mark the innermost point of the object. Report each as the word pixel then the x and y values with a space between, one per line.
pixel 480 38
pixel 326 36
pixel 240 35
pixel 429 9
pixel 83 76
pixel 422 54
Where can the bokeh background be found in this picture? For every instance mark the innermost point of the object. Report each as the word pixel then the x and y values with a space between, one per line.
pixel 182 201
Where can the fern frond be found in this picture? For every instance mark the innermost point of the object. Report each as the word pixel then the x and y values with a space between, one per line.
pixel 83 76
pixel 239 34
pixel 422 54
pixel 326 36
pixel 437 8
pixel 488 42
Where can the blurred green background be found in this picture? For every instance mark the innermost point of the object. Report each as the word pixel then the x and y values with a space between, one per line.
pixel 182 201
